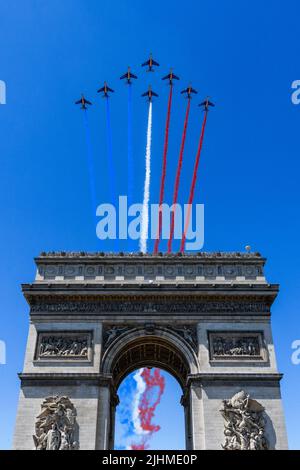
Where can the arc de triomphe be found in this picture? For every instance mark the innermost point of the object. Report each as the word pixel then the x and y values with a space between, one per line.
pixel 204 318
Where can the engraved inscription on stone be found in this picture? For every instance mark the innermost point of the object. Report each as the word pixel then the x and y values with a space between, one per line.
pixel 64 345
pixel 244 423
pixel 236 345
pixel 55 427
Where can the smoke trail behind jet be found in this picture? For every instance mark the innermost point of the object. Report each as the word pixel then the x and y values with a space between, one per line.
pixel 140 388
pixel 130 159
pixel 150 388
pixel 145 209
pixel 91 170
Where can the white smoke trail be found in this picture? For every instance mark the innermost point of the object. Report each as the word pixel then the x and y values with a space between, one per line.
pixel 140 388
pixel 145 210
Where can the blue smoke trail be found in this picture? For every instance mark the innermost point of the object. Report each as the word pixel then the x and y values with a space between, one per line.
pixel 112 185
pixel 130 165
pixel 91 170
pixel 130 159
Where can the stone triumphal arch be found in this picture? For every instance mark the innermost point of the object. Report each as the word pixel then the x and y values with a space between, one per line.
pixel 204 318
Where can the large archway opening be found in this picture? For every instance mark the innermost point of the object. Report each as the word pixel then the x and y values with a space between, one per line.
pixel 156 349
pixel 149 414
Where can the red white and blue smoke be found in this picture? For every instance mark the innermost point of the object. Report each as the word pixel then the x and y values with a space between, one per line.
pixel 141 394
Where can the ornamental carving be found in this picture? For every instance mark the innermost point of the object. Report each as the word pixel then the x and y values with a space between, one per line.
pixel 244 423
pixel 187 332
pixel 202 254
pixel 236 345
pixel 63 346
pixel 146 307
pixel 111 333
pixel 56 426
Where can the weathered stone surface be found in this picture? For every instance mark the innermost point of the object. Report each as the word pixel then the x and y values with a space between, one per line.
pixel 205 318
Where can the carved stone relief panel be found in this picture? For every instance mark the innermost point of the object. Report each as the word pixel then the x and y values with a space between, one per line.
pixel 62 345
pixel 237 345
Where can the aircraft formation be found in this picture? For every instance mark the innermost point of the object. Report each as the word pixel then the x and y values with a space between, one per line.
pixel 149 94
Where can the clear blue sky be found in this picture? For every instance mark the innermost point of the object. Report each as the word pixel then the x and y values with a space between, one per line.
pixel 244 54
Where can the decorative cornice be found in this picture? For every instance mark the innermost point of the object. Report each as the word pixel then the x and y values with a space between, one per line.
pixel 45 379
pixel 234 377
pixel 155 288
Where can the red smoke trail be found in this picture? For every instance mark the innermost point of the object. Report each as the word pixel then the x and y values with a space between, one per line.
pixel 178 175
pixel 142 446
pixel 146 408
pixel 192 190
pixel 164 168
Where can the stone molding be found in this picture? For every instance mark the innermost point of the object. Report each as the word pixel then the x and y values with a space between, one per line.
pixel 67 379
pixel 261 378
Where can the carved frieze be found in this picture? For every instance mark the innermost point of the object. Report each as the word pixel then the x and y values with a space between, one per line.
pixel 64 345
pixel 237 345
pixel 55 427
pixel 244 423
pixel 147 306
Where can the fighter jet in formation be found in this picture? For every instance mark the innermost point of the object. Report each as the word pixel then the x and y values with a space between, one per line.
pixel 206 103
pixel 105 90
pixel 128 75
pixel 189 90
pixel 149 93
pixel 171 76
pixel 150 62
pixel 83 102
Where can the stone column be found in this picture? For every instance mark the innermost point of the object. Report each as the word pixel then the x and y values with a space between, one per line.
pixel 113 404
pixel 104 422
pixel 185 402
pixel 195 423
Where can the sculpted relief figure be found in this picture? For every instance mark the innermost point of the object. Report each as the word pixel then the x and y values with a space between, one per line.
pixel 244 423
pixel 55 425
pixel 113 333
pixel 187 333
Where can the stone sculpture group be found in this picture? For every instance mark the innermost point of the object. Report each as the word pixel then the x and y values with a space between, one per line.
pixel 56 425
pixel 245 423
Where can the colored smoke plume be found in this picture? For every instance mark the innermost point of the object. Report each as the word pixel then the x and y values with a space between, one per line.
pixel 164 170
pixel 145 210
pixel 149 399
